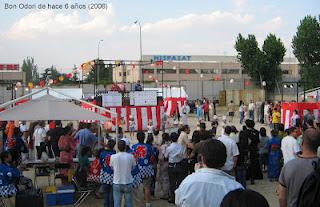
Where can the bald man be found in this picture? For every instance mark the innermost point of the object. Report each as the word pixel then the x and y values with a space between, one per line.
pixel 295 171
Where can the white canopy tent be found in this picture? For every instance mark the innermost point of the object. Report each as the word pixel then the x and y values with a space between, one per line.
pixel 49 107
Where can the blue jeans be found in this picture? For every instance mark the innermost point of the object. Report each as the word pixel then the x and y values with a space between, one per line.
pixel 241 175
pixel 251 115
pixel 122 189
pixel 241 116
pixel 108 198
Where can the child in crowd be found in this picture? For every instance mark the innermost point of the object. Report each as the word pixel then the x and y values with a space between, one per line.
pixel 157 138
pixel 162 175
pixel 150 126
pixel 132 126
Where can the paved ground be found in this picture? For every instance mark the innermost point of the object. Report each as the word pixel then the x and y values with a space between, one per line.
pixel 266 188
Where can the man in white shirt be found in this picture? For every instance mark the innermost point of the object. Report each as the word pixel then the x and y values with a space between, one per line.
pixel 39 137
pixel 251 109
pixel 175 155
pixel 232 151
pixel 208 185
pixel 122 163
pixel 289 145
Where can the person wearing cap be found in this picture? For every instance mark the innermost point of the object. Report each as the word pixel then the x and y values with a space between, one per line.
pixel 175 127
pixel 232 151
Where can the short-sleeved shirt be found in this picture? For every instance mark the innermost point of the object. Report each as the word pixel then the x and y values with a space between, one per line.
pixel 232 151
pixel 276 117
pixel 86 138
pixel 39 136
pixel 122 164
pixel 293 175
pixel 289 148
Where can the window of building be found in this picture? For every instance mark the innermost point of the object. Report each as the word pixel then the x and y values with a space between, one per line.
pixel 188 71
pixel 286 72
pixel 209 71
pixel 230 71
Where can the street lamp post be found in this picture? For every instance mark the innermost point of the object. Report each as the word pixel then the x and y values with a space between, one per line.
pixel 137 22
pixel 98 63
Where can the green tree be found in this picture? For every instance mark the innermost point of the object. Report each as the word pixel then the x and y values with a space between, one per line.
pixel 306 48
pixel 105 74
pixel 27 67
pixel 261 65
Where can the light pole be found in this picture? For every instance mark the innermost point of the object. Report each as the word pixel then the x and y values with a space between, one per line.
pixel 99 48
pixel 137 22
pixel 98 66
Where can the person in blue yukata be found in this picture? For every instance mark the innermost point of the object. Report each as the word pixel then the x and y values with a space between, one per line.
pixel 143 153
pixel 106 176
pixel 8 176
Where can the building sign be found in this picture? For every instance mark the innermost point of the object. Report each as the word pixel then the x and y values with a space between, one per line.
pixel 10 67
pixel 171 58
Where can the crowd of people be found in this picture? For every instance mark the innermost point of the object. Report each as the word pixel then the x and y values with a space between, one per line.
pixel 205 168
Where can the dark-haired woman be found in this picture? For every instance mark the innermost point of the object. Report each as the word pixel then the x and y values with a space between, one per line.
pixel 67 147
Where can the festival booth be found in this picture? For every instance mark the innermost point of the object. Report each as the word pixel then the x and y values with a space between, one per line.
pixel 288 108
pixel 49 107
pixel 141 105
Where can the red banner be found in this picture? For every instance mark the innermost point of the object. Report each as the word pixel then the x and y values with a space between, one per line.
pixel 10 67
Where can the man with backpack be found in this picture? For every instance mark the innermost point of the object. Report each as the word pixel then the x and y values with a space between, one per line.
pixel 295 172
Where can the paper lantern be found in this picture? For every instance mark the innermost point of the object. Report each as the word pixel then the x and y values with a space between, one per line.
pixel 133 66
pixel 217 78
pixel 30 85
pixel 247 83
pixel 108 125
pixel 18 84
pixel 61 78
pixel 42 83
pixel 187 71
pixel 55 81
pixel 69 75
pixel 146 72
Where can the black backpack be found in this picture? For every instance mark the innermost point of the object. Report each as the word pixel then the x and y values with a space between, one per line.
pixel 310 190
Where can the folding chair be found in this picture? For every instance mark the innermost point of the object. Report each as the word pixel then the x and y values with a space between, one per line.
pixel 83 191
pixel 41 171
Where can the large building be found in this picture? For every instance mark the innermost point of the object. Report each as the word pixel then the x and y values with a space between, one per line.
pixel 200 75
pixel 10 75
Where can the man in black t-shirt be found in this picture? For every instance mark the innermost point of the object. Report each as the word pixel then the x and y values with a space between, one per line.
pixel 54 136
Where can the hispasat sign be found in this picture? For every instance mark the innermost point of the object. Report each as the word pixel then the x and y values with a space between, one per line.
pixel 9 67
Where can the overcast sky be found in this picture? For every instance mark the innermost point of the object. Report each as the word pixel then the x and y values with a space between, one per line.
pixel 169 27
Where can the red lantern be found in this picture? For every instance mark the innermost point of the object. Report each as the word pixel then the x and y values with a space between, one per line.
pixel 133 66
pixel 42 83
pixel 55 81
pixel 187 71
pixel 69 75
pixel 159 63
pixel 247 83
pixel 146 72
pixel 217 78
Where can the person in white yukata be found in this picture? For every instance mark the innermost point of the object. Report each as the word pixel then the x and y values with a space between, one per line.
pixel 185 110
pixel 208 185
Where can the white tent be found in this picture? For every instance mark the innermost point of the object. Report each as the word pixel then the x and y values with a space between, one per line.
pixel 174 92
pixel 48 107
